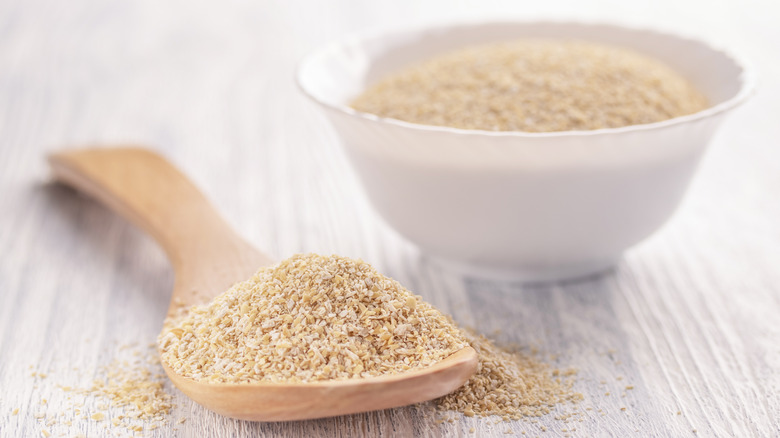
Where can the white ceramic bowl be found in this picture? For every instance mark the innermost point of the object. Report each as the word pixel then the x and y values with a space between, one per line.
pixel 538 206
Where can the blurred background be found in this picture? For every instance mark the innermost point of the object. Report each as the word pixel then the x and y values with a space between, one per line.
pixel 208 82
pixel 690 316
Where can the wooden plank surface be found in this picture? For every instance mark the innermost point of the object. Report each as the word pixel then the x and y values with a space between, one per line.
pixel 690 318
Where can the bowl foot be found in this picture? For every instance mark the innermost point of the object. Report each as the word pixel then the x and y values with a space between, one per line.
pixel 525 274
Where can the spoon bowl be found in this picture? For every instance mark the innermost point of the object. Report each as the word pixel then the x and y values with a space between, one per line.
pixel 208 257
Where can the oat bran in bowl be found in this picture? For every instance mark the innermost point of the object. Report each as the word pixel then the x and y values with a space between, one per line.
pixel 531 205
pixel 534 85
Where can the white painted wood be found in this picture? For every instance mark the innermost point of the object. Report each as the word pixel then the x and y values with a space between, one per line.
pixel 689 318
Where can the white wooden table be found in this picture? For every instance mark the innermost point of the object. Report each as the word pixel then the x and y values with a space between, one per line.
pixel 690 318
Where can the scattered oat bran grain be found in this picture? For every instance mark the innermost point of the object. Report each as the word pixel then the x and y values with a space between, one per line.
pixel 534 85
pixel 135 388
pixel 314 317
pixel 508 385
pixel 309 318
pixel 126 396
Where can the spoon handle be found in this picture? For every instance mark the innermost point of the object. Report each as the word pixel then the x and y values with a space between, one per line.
pixel 140 185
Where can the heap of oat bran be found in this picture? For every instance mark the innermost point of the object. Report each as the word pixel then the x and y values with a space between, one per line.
pixel 309 318
pixel 314 318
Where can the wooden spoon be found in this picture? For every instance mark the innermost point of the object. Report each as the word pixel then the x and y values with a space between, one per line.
pixel 208 257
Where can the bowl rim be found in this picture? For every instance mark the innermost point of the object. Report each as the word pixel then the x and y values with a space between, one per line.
pixel 746 79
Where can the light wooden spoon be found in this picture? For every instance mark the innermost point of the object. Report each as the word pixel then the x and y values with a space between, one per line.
pixel 208 257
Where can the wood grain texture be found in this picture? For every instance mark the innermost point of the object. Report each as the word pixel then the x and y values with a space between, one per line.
pixel 206 254
pixel 689 318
